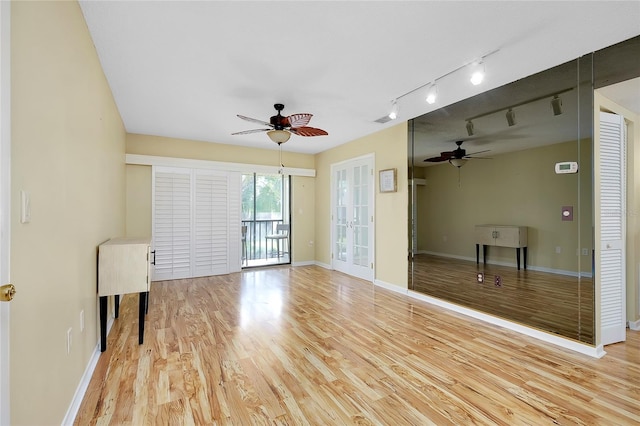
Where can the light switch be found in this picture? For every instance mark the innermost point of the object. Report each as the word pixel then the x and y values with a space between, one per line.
pixel 25 207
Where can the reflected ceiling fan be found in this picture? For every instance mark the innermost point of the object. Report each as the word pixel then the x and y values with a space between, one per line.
pixel 280 127
pixel 458 157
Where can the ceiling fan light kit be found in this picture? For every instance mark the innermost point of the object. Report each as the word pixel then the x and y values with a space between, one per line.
pixel 279 136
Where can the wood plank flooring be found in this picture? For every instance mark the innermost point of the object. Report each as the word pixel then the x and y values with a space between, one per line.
pixel 554 303
pixel 308 346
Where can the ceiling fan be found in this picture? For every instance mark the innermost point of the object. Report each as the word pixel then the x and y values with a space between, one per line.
pixel 458 157
pixel 280 127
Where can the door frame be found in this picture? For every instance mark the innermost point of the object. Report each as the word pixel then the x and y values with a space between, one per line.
pixel 5 202
pixel 371 161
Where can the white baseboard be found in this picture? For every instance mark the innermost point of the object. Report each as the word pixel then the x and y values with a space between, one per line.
pixel 81 390
pixel 322 265
pixel 634 325
pixel 391 287
pixel 596 352
pixel 512 265
pixel 305 263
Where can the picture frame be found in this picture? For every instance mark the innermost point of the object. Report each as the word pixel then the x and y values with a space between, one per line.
pixel 388 180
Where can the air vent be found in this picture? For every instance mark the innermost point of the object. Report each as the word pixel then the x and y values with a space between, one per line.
pixel 383 120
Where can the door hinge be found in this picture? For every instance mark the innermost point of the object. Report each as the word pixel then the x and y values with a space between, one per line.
pixel 371 219
pixel 332 255
pixel 371 265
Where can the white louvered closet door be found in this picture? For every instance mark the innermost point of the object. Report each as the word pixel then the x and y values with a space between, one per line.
pixel 216 223
pixel 611 227
pixel 196 222
pixel 172 223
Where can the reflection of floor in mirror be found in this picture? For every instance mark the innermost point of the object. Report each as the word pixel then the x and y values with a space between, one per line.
pixel 555 303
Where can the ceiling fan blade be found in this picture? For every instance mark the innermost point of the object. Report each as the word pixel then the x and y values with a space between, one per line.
pixel 437 159
pixel 307 131
pixel 299 120
pixel 248 132
pixel 478 152
pixel 254 120
pixel 478 158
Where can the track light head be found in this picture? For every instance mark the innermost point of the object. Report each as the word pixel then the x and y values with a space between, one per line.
pixel 469 128
pixel 393 114
pixel 556 105
pixel 477 73
pixel 432 94
pixel 511 117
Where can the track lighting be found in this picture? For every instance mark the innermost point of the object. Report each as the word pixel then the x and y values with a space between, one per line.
pixel 469 128
pixel 432 94
pixel 477 73
pixel 556 105
pixel 393 114
pixel 511 117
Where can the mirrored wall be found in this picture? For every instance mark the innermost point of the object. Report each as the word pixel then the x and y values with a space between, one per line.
pixel 500 220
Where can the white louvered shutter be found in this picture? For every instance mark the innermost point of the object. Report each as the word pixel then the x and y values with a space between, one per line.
pixel 612 224
pixel 211 224
pixel 172 223
pixel 235 221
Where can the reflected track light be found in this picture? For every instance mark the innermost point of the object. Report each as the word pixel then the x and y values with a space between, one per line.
pixel 469 128
pixel 511 117
pixel 556 105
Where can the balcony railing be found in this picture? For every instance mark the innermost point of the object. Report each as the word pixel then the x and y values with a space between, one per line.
pixel 256 231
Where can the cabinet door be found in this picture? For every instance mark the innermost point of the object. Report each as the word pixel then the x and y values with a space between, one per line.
pixel 484 235
pixel 507 236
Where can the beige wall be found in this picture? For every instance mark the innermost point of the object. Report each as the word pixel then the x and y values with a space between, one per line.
pixel 633 202
pixel 519 188
pixel 139 183
pixel 68 153
pixel 390 149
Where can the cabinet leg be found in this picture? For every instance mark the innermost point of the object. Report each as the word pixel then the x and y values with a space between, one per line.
pixel 143 301
pixel 146 304
pixel 477 254
pixel 524 249
pixel 484 253
pixel 518 258
pixel 103 323
pixel 116 304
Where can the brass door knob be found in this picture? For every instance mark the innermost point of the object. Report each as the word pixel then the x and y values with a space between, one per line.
pixel 7 292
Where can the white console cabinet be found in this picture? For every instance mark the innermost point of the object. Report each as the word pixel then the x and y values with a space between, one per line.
pixel 501 236
pixel 124 266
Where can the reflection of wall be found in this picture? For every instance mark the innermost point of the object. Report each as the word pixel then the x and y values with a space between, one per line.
pixel 519 188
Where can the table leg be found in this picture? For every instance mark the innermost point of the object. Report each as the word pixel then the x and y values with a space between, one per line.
pixel 103 322
pixel 484 253
pixel 518 257
pixel 477 254
pixel 116 304
pixel 143 301
pixel 524 249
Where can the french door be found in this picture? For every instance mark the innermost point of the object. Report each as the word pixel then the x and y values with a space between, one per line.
pixel 352 217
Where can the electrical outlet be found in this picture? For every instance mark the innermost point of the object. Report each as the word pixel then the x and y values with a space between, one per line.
pixel 69 340
pixel 498 280
pixel 81 321
pixel 585 252
pixel 480 277
pixel 558 249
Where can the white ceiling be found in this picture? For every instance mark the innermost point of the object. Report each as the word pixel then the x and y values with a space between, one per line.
pixel 184 69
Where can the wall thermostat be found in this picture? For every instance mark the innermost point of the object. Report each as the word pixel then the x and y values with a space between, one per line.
pixel 566 167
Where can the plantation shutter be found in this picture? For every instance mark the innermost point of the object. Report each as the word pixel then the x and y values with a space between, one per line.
pixel 172 224
pixel 196 222
pixel 611 221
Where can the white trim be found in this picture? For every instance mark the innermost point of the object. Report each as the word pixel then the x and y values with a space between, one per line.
pixel 151 160
pixel 634 325
pixel 81 390
pixel 5 205
pixel 595 352
pixel 323 265
pixel 391 287
pixel 304 263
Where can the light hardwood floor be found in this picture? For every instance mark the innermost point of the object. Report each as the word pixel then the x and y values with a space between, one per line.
pixel 554 303
pixel 304 345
